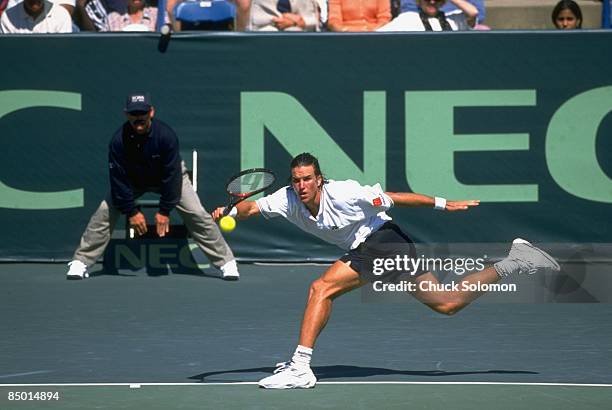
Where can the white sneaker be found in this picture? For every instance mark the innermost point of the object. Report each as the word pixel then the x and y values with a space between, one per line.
pixel 229 271
pixel 525 258
pixel 78 270
pixel 288 375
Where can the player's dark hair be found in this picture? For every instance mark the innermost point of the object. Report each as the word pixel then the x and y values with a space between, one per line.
pixel 570 5
pixel 305 159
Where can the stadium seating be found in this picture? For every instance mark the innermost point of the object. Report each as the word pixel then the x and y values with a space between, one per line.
pixel 206 15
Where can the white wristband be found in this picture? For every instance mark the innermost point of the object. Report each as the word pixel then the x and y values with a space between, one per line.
pixel 440 203
pixel 233 212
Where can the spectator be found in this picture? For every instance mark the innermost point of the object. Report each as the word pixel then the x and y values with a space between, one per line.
pixel 77 11
pixel 91 15
pixel 74 8
pixel 137 17
pixel 567 15
pixel 284 15
pixel 67 4
pixel 358 15
pixel 448 8
pixel 81 17
pixel 35 16
pixel 431 18
pixel 95 13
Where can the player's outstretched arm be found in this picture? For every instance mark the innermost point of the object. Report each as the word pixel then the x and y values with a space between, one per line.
pixel 408 199
pixel 245 210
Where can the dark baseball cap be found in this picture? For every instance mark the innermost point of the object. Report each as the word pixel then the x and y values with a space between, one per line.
pixel 138 102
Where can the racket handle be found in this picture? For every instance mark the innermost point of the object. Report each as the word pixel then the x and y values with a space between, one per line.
pixel 230 210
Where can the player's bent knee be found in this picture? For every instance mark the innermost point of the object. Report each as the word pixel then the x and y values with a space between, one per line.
pixel 317 288
pixel 321 289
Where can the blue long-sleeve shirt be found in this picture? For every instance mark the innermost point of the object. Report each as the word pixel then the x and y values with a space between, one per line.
pixel 145 163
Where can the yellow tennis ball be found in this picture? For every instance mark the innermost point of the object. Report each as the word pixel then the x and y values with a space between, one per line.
pixel 227 223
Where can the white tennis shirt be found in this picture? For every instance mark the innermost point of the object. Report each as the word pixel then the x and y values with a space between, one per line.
pixel 348 212
pixel 53 19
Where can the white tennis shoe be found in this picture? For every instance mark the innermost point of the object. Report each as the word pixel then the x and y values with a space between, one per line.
pixel 77 270
pixel 229 271
pixel 289 375
pixel 525 258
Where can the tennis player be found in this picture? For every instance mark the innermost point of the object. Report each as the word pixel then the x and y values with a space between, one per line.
pixel 144 157
pixel 354 218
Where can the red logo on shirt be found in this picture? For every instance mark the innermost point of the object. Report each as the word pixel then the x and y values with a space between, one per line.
pixel 377 201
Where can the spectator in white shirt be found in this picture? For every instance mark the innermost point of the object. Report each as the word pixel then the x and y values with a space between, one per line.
pixel 67 4
pixel 35 16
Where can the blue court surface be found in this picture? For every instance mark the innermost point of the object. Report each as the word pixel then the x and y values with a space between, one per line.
pixel 191 341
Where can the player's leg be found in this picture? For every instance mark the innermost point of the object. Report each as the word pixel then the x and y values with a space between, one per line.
pixel 94 240
pixel 523 258
pixel 337 280
pixel 449 302
pixel 205 231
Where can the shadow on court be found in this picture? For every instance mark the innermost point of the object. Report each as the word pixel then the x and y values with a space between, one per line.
pixel 344 371
pixel 157 272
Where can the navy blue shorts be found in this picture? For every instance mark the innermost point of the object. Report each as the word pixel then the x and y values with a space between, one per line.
pixel 385 255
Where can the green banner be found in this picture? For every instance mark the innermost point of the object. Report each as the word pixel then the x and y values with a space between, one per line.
pixel 519 120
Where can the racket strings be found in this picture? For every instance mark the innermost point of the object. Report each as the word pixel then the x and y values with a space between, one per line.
pixel 251 182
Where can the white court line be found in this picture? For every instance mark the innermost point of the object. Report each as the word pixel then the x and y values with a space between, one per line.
pixel 319 383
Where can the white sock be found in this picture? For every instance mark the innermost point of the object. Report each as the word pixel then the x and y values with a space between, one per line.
pixel 302 356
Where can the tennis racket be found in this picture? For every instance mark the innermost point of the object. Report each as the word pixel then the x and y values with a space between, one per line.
pixel 247 183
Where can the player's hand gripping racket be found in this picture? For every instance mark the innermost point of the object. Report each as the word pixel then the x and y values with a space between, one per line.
pixel 247 183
